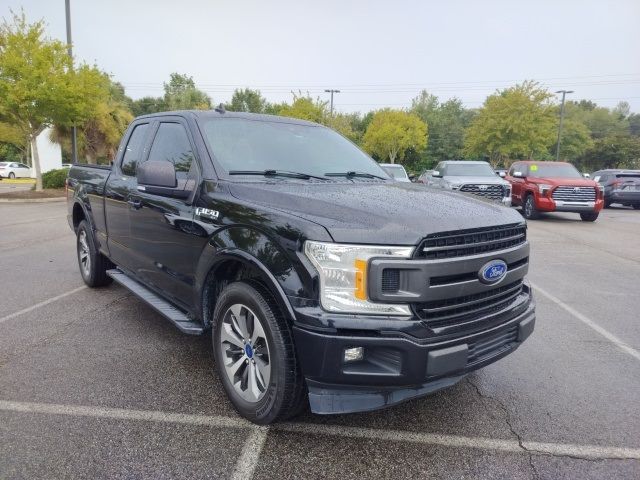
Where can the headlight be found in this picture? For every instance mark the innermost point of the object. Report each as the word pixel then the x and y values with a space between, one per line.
pixel 543 188
pixel 343 276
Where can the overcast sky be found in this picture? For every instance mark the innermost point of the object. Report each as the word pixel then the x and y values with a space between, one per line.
pixel 378 53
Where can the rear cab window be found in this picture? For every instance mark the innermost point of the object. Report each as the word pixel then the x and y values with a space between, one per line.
pixel 134 151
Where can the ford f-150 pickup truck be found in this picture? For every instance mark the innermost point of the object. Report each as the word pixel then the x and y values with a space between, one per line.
pixel 321 280
pixel 554 187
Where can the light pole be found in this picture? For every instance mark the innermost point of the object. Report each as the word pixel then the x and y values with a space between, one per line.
pixel 74 133
pixel 332 91
pixel 564 93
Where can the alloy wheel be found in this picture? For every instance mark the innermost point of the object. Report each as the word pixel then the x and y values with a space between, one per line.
pixel 84 254
pixel 245 353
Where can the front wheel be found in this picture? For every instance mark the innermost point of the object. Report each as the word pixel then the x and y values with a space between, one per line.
pixel 255 356
pixel 636 206
pixel 589 217
pixel 529 209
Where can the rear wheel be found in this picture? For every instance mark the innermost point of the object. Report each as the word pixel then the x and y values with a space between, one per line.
pixel 12 175
pixel 589 217
pixel 529 208
pixel 607 203
pixel 255 356
pixel 636 206
pixel 93 265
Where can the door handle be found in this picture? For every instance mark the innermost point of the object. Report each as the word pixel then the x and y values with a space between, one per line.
pixel 135 203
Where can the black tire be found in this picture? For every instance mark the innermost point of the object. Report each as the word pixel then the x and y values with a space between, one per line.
pixel 636 206
pixel 607 204
pixel 589 217
pixel 93 265
pixel 285 394
pixel 529 210
pixel 12 175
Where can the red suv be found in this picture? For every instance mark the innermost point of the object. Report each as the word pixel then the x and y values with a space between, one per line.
pixel 553 187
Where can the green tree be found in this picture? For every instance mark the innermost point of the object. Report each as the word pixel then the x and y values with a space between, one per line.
pixel 247 100
pixel 39 86
pixel 181 94
pixel 99 136
pixel 447 123
pixel 515 123
pixel 392 132
pixel 576 141
pixel 615 151
pixel 147 105
pixel 306 108
pixel 13 143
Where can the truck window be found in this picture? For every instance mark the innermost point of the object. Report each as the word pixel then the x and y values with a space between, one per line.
pixel 133 152
pixel 172 144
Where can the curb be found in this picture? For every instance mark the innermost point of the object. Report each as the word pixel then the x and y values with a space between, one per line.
pixel 32 200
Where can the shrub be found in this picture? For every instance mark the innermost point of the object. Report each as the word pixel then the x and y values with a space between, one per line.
pixel 54 178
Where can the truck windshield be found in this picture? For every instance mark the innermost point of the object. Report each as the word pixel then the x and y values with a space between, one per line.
pixel 468 170
pixel 241 144
pixel 396 172
pixel 553 170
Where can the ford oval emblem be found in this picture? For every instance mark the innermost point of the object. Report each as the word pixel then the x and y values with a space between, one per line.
pixel 493 271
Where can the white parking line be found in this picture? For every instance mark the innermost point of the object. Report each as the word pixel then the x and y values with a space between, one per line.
pixel 41 304
pixel 248 460
pixel 590 323
pixel 252 448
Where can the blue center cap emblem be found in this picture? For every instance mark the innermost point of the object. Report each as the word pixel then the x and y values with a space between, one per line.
pixel 493 271
pixel 248 350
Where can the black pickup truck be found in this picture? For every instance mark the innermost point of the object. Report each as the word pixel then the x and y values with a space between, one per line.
pixel 323 282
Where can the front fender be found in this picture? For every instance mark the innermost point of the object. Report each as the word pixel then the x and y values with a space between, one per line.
pixel 277 262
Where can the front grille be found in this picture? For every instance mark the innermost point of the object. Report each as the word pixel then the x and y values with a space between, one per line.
pixel 493 192
pixel 489 347
pixel 451 311
pixel 567 193
pixel 471 242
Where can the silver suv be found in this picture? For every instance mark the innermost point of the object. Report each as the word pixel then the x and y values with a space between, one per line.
pixel 474 177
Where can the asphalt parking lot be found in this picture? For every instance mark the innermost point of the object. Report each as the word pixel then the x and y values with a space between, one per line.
pixel 93 384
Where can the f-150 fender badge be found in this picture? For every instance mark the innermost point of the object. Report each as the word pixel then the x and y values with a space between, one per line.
pixel 206 213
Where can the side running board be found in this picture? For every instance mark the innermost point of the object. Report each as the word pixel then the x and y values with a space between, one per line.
pixel 175 316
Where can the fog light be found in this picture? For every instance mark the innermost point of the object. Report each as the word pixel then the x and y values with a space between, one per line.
pixel 353 354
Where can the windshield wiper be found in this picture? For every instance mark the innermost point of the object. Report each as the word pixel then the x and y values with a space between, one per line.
pixel 276 173
pixel 354 174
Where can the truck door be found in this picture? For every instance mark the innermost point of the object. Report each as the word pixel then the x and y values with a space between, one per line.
pixel 117 202
pixel 164 239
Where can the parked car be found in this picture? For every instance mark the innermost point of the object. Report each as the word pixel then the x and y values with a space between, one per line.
pixel 395 171
pixel 620 186
pixel 554 187
pixel 424 177
pixel 322 277
pixel 472 177
pixel 14 170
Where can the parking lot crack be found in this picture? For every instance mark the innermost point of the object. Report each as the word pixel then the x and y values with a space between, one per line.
pixel 507 419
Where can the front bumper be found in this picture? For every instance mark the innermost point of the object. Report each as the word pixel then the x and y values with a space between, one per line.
pixel 397 368
pixel 545 204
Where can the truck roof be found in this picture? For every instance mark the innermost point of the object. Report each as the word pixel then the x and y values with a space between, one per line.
pixel 465 161
pixel 228 114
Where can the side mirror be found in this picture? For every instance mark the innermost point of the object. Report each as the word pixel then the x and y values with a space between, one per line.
pixel 436 174
pixel 502 174
pixel 158 177
pixel 412 178
pixel 586 175
pixel 518 174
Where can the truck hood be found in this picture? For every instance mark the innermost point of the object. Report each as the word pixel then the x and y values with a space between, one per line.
pixel 390 213
pixel 476 180
pixel 572 182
